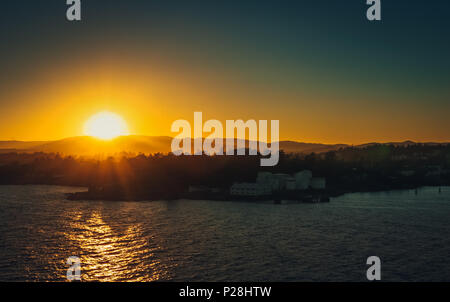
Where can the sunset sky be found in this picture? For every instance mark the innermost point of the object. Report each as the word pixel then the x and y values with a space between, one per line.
pixel 320 67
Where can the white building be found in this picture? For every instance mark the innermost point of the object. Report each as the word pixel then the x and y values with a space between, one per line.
pixel 290 183
pixel 281 179
pixel 303 179
pixel 269 179
pixel 318 183
pixel 267 182
pixel 250 189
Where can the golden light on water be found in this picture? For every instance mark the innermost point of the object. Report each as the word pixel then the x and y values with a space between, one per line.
pixel 106 125
pixel 109 254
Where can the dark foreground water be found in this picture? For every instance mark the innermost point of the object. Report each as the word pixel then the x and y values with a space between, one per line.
pixel 224 241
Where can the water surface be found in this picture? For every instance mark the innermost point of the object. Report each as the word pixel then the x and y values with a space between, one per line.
pixel 224 241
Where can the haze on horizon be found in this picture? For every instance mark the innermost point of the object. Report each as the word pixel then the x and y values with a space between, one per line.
pixel 321 68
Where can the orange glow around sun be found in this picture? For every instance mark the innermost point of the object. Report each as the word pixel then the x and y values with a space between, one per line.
pixel 106 125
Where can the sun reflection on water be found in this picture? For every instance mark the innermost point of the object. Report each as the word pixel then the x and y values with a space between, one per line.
pixel 108 254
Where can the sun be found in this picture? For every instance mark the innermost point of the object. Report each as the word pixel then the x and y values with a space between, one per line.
pixel 106 125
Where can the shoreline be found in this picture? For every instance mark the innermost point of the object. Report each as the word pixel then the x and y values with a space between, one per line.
pixel 308 196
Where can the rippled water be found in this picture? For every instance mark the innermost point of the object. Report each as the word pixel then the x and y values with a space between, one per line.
pixel 224 241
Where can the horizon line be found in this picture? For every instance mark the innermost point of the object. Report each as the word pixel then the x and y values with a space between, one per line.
pixel 246 139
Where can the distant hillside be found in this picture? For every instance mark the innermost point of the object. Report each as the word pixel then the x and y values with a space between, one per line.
pixel 84 145
pixel 19 144
pixel 296 147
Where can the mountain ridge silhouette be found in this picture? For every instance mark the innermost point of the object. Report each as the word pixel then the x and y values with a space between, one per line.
pixel 86 145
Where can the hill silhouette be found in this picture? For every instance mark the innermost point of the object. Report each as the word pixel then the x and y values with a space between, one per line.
pixel 85 145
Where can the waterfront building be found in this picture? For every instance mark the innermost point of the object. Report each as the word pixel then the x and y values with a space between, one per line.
pixel 303 179
pixel 290 184
pixel 268 179
pixel 250 189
